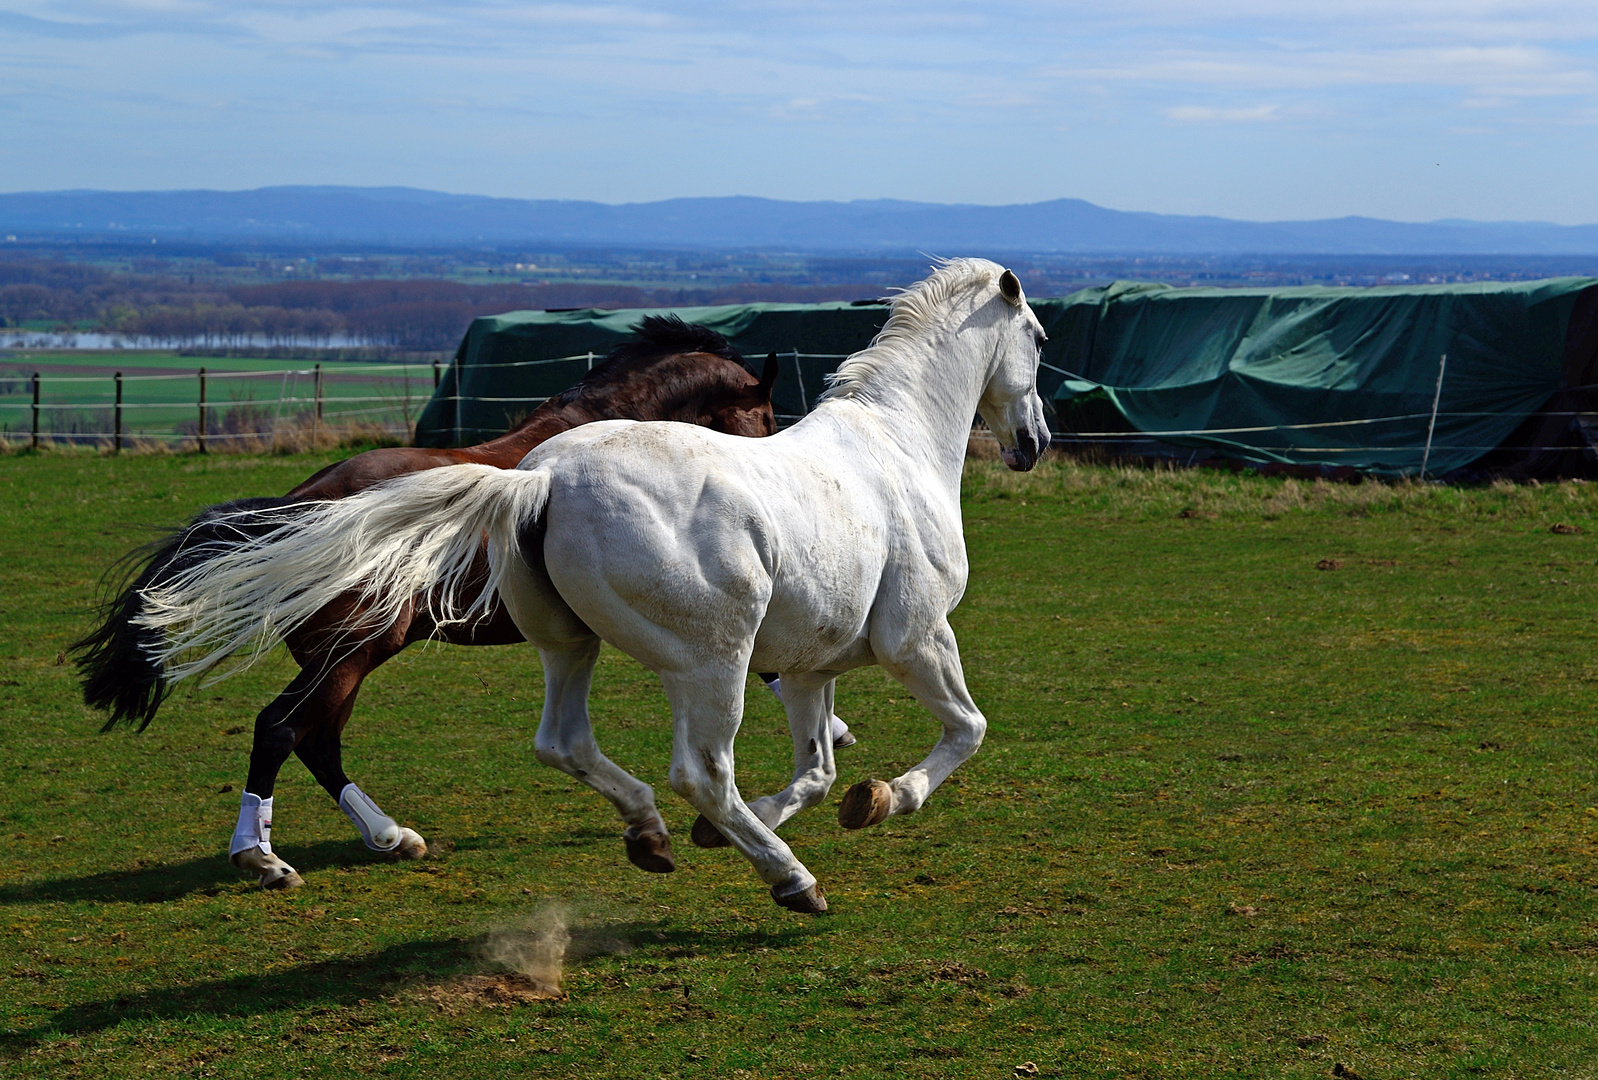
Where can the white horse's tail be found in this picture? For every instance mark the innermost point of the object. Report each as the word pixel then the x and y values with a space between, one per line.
pixel 412 535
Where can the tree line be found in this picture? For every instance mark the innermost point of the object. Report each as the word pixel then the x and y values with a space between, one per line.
pixel 409 315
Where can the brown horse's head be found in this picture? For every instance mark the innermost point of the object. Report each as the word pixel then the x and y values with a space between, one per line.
pixel 743 410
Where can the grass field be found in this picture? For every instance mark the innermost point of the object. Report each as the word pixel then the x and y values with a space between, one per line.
pixel 1236 816
pixel 161 393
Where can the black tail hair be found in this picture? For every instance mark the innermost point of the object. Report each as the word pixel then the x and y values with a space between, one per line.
pixel 117 660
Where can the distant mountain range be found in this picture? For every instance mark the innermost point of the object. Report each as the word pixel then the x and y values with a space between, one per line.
pixel 411 217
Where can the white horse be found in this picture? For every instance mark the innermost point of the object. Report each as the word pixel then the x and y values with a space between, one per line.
pixel 833 544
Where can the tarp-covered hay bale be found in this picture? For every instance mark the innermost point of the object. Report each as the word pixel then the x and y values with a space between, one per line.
pixel 1311 377
pixel 1335 377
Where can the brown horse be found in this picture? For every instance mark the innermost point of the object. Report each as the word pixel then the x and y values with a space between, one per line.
pixel 672 371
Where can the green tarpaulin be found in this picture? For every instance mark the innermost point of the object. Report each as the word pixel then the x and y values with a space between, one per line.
pixel 1328 376
pixel 1308 376
pixel 508 364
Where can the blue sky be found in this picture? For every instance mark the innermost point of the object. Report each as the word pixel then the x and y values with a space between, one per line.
pixel 1484 109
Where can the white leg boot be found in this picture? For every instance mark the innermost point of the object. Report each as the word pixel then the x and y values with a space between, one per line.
pixel 381 832
pixel 842 737
pixel 251 849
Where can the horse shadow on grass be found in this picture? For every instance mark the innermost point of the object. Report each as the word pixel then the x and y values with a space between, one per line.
pixel 156 883
pixel 349 981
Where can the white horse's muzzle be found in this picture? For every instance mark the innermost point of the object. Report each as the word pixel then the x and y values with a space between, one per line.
pixel 1031 438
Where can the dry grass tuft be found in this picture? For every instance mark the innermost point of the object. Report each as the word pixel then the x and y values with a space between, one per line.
pixel 1152 491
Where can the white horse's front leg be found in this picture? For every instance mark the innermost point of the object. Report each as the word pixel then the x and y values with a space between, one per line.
pixel 809 707
pixel 706 707
pixel 931 671
pixel 565 741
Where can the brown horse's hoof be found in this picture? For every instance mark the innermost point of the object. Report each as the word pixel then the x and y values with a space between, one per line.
pixel 706 835
pixel 867 803
pixel 649 851
pixel 807 901
pixel 411 846
pixel 270 871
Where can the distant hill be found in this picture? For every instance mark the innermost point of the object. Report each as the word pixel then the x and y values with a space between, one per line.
pixel 411 217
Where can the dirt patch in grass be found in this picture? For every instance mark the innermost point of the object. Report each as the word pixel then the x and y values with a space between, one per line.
pixel 493 991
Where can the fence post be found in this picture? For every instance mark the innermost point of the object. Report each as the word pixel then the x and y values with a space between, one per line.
pixel 316 426
pixel 438 374
pixel 202 411
pixel 1436 398
pixel 590 360
pixel 804 402
pixel 35 410
pixel 116 421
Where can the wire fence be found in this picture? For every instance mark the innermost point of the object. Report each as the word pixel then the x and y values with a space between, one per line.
pixel 293 407
pixel 213 408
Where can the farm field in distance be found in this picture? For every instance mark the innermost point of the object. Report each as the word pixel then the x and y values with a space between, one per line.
pixel 1237 815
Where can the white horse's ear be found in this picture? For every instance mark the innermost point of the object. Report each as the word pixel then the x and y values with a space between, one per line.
pixel 1010 288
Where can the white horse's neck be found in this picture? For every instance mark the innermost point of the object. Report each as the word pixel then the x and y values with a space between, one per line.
pixel 923 386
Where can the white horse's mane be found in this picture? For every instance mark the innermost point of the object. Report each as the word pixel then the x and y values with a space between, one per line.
pixel 910 313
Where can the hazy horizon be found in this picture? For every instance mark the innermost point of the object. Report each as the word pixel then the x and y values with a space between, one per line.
pixel 740 195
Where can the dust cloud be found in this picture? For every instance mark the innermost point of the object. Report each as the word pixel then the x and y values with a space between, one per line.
pixel 534 949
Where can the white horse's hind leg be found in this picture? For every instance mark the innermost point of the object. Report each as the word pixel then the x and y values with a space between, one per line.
pixel 933 674
pixel 706 707
pixel 809 722
pixel 565 741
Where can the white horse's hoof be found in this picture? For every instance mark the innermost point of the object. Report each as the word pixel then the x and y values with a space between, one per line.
pixel 870 802
pixel 271 872
pixel 411 845
pixel 806 901
pixel 706 835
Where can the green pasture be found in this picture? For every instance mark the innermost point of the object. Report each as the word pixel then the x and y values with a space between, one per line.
pixel 161 392
pixel 1236 816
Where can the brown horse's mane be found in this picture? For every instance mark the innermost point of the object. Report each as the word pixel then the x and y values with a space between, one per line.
pixel 655 337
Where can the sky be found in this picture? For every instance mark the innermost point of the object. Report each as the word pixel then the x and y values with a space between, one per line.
pixel 1413 110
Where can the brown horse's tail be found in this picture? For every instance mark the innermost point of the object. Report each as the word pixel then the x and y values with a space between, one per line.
pixel 119 661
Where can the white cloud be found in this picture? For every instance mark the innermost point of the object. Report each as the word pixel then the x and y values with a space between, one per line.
pixel 1206 114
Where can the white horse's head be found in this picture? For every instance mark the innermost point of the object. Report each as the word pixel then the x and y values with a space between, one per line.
pixel 1010 405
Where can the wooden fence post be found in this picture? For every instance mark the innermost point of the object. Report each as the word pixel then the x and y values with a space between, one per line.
pixel 116 419
pixel 316 426
pixel 201 436
pixel 35 410
pixel 438 374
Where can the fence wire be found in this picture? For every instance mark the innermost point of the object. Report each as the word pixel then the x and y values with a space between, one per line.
pixel 111 414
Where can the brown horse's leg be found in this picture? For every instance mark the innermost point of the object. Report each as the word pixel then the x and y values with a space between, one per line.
pixel 327 709
pixel 278 729
pixel 306 718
